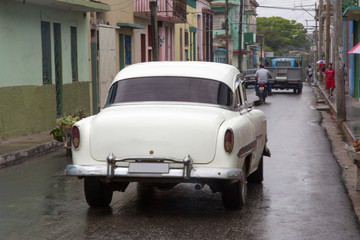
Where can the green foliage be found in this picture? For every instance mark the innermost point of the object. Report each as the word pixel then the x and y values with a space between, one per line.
pixel 57 134
pixel 282 35
pixel 68 120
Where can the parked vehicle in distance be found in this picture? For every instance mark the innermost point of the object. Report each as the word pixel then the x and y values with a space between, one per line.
pixel 286 73
pixel 249 77
pixel 166 123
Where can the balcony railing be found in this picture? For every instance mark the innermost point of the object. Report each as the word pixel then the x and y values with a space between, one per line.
pixel 170 10
pixel 349 3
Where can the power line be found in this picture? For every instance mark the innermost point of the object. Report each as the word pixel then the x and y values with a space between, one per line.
pixel 288 8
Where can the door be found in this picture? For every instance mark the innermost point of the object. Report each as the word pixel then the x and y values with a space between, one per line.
pixel 121 51
pixel 143 48
pixel 356 60
pixel 58 67
pixel 107 61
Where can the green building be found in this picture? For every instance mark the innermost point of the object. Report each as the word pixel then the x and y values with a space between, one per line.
pixel 44 63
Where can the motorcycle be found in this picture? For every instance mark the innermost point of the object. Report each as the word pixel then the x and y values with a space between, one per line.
pixel 262 91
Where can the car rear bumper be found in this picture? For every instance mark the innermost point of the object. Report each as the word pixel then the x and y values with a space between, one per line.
pixel 286 84
pixel 250 81
pixel 195 173
pixel 153 167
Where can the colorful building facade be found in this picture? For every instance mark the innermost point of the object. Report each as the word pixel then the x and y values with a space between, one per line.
pixel 44 61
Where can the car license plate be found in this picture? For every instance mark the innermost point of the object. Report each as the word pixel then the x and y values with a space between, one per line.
pixel 148 167
pixel 261 88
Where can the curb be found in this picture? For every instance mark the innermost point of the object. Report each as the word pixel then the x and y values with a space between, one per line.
pixel 17 156
pixel 349 136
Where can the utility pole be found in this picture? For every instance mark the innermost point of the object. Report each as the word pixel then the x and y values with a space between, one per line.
pixel 240 35
pixel 316 36
pixel 321 26
pixel 339 65
pixel 317 53
pixel 154 30
pixel 327 44
pixel 227 31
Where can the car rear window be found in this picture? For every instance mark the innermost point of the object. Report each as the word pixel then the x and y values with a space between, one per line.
pixel 178 89
pixel 283 64
pixel 250 72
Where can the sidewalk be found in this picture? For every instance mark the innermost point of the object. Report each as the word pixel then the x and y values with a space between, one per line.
pixel 351 130
pixel 352 124
pixel 17 149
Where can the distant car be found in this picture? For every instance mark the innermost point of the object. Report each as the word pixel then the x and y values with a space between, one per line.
pixel 166 123
pixel 249 77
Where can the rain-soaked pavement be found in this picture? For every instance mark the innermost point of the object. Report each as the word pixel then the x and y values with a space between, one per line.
pixel 302 196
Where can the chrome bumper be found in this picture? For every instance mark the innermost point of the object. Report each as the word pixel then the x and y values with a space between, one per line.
pixel 188 172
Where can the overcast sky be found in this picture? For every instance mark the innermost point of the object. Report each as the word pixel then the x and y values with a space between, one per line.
pixel 304 17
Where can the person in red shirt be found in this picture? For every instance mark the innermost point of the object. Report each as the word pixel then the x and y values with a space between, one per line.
pixel 329 79
pixel 321 70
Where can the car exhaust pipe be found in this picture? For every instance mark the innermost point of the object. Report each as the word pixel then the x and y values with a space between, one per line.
pixel 199 186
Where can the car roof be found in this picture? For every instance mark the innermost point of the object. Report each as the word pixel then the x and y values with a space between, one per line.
pixel 216 71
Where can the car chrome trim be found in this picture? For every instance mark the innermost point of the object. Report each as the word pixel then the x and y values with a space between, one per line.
pixel 111 163
pixel 247 149
pixel 170 103
pixel 195 173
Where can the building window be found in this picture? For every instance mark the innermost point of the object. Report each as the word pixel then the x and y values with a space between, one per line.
pixel 74 60
pixel 46 52
pixel 186 38
pixel 125 50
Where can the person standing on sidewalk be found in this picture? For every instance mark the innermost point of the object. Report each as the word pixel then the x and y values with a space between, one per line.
pixel 309 74
pixel 321 69
pixel 329 79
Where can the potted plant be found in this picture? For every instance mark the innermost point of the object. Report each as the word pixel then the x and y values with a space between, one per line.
pixel 62 132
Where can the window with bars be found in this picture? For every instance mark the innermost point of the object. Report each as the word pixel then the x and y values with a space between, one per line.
pixel 186 41
pixel 46 52
pixel 74 60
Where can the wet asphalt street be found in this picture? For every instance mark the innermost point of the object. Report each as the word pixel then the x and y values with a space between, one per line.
pixel 302 196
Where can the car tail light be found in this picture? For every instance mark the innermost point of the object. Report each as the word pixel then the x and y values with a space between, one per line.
pixel 75 137
pixel 229 140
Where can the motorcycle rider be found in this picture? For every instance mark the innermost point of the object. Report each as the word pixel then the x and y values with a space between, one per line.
pixel 261 76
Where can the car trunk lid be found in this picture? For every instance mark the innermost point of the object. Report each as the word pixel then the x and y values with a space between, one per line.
pixel 156 131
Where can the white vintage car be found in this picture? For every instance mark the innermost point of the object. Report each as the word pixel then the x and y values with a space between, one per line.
pixel 166 123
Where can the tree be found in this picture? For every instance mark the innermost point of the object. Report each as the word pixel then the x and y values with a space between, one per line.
pixel 282 35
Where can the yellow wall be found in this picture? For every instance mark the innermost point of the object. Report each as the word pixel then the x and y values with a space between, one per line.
pixel 191 21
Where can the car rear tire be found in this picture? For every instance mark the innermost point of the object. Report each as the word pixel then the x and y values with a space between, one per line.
pixel 145 191
pixel 263 97
pixel 97 193
pixel 258 175
pixel 234 194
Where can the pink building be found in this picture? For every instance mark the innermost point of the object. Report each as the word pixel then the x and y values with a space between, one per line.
pixel 169 12
pixel 204 31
